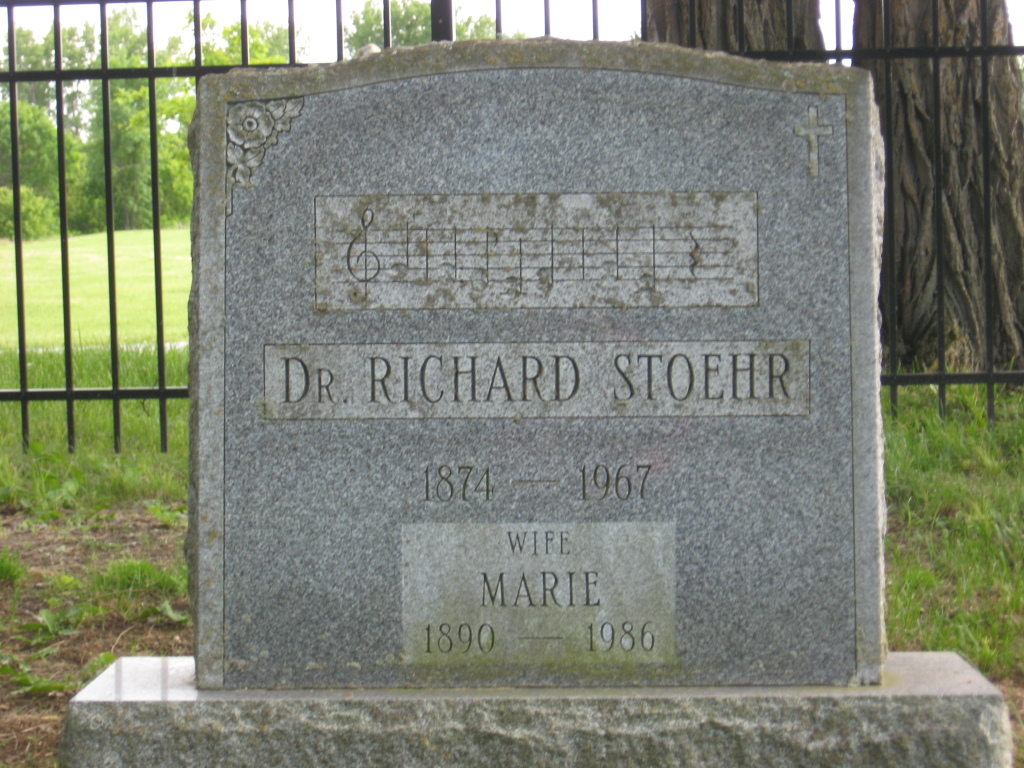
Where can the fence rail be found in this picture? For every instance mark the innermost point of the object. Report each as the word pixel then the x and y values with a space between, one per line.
pixel 64 79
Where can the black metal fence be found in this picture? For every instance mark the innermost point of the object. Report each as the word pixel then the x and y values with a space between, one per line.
pixel 65 78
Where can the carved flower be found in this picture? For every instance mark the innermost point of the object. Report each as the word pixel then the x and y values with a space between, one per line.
pixel 243 164
pixel 283 110
pixel 250 124
pixel 253 126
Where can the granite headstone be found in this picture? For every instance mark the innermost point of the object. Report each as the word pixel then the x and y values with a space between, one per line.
pixel 556 369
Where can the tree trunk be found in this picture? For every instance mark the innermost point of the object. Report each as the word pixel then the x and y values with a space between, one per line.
pixel 911 322
pixel 766 25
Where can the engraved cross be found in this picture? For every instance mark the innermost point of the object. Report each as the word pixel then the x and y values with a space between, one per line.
pixel 811 129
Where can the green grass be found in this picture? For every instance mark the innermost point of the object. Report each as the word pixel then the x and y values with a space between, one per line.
pixel 49 480
pixel 140 588
pixel 955 547
pixel 91 367
pixel 11 568
pixel 130 576
pixel 90 313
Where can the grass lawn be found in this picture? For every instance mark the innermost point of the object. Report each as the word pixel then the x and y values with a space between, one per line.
pixel 90 303
pixel 955 544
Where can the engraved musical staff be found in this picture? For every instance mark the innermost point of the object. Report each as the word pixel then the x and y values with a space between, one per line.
pixel 508 251
pixel 537 256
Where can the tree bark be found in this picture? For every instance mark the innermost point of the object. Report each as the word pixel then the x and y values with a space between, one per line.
pixel 911 322
pixel 766 25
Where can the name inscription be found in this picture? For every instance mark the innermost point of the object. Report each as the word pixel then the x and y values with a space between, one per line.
pixel 573 594
pixel 503 251
pixel 543 380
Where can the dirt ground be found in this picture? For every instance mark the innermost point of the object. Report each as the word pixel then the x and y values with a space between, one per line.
pixel 30 723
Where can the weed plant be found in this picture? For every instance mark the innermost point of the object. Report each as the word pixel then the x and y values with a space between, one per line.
pixel 11 568
pixel 130 577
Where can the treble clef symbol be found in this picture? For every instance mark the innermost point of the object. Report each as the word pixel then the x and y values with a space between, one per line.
pixel 363 264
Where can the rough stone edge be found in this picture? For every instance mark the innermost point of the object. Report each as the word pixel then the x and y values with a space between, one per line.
pixel 539 53
pixel 866 210
pixel 942 713
pixel 204 542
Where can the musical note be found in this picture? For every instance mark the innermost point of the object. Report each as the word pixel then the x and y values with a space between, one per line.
pixel 520 265
pixel 583 254
pixel 552 236
pixel 654 255
pixel 455 251
pixel 488 252
pixel 695 256
pixel 364 266
pixel 617 266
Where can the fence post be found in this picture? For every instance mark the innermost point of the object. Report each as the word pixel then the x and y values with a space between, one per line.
pixel 442 20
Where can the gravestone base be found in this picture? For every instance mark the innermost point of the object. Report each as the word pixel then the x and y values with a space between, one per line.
pixel 932 710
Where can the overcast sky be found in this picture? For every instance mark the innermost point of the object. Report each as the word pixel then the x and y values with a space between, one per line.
pixel 618 19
